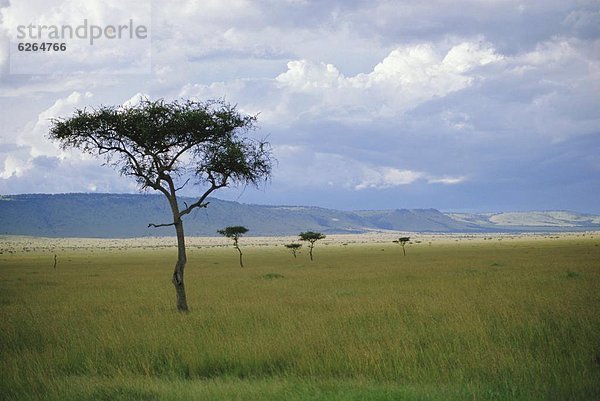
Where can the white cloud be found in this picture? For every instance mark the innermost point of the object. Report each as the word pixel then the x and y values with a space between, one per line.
pixel 33 143
pixel 385 93
pixel 123 53
pixel 304 76
pixel 35 164
pixel 304 167
pixel 548 54
pixel 583 20
pixel 54 175
pixel 550 92
pixel 34 134
pixel 215 90
pixel 466 56
pixel 13 166
pixel 385 177
pixel 446 180
pixel 407 77
pixel 213 12
pixel 135 99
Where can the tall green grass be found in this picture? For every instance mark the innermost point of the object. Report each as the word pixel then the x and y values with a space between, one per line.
pixel 485 321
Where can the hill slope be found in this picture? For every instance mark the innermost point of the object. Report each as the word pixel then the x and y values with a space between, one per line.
pixel 127 215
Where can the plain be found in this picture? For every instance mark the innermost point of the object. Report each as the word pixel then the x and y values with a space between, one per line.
pixel 499 319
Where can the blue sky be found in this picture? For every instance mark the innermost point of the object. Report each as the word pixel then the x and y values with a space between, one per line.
pixel 466 105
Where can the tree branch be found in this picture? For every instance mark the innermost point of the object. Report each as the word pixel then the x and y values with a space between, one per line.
pixel 137 168
pixel 200 202
pixel 194 205
pixel 159 187
pixel 181 187
pixel 161 225
pixel 213 187
pixel 182 151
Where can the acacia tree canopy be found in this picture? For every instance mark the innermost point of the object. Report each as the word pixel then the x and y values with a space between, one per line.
pixel 311 237
pixel 294 247
pixel 157 142
pixel 402 241
pixel 235 232
pixel 165 145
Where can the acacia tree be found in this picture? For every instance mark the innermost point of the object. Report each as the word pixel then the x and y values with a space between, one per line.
pixel 294 248
pixel 311 237
pixel 402 241
pixel 165 145
pixel 235 232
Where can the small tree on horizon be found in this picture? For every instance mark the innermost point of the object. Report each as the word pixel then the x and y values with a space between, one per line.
pixel 164 146
pixel 294 248
pixel 235 232
pixel 311 237
pixel 402 241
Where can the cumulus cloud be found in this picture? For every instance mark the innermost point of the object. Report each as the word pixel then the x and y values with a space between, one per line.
pixel 135 100
pixel 35 133
pixel 32 150
pixel 407 77
pixel 14 163
pixel 55 175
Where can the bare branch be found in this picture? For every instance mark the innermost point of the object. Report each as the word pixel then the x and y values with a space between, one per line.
pixel 182 151
pixel 200 202
pixel 214 185
pixel 181 187
pixel 137 169
pixel 161 225
pixel 194 205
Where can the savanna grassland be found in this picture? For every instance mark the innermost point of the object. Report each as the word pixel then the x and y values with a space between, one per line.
pixel 509 319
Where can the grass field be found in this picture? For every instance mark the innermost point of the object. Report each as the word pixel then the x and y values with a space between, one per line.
pixel 454 320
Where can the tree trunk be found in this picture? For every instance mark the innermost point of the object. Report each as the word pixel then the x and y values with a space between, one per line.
pixel 179 267
pixel 240 251
pixel 177 278
pixel 310 251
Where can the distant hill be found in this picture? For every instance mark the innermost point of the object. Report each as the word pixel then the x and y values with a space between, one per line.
pixel 128 215
pixel 531 221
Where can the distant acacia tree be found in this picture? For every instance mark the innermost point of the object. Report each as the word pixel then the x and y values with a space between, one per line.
pixel 164 145
pixel 402 241
pixel 294 248
pixel 235 232
pixel 311 237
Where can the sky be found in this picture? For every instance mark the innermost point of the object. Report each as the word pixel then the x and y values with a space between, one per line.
pixel 458 105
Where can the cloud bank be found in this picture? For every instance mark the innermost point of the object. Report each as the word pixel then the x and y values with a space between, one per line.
pixel 469 105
